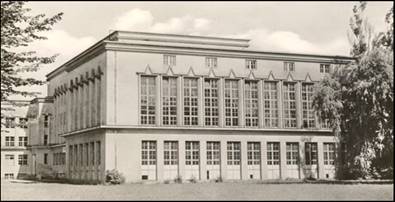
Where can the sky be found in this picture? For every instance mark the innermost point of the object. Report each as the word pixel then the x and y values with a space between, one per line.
pixel 297 27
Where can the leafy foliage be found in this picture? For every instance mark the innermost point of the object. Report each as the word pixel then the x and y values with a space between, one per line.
pixel 358 101
pixel 114 177
pixel 19 29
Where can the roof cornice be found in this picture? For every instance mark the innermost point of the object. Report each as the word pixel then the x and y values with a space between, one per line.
pixel 123 46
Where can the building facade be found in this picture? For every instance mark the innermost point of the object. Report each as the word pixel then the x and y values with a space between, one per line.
pixel 15 156
pixel 160 107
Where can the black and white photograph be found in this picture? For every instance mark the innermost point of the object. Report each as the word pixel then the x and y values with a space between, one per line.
pixel 197 100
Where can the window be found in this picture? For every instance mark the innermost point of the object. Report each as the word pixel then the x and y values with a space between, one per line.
pixel 289 66
pixel 45 139
pixel 211 102
pixel 324 68
pixel 213 153
pixel 273 153
pixel 311 153
pixel 192 153
pixel 92 153
pixel 171 152
pixel 45 158
pixel 9 176
pixel 76 155
pixel 10 122
pixel 93 99
pixel 251 103
pixel 22 141
pixel 23 122
pixel 9 158
pixel 46 121
pixel 211 62
pixel 325 124
pixel 251 64
pixel 148 153
pixel 98 147
pixel 253 153
pixel 71 157
pixel 233 153
pixel 231 103
pixel 81 154
pixel 98 95
pixel 289 105
pixel 270 104
pixel 169 101
pixel 307 106
pixel 190 101
pixel 292 153
pixel 169 60
pixel 147 101
pixel 86 154
pixel 9 141
pixel 55 157
pixel 329 153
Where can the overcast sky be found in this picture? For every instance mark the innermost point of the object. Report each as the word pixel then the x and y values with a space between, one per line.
pixel 300 27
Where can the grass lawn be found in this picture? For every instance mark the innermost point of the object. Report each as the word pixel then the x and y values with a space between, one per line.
pixel 24 190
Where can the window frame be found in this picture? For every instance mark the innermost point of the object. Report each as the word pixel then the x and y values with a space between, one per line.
pixel 273 153
pixel 149 117
pixel 289 105
pixel 233 153
pixel 251 64
pixel 292 153
pixel 251 103
pixel 213 152
pixel 190 101
pixel 270 104
pixel 169 100
pixel 311 153
pixel 231 102
pixel 253 153
pixel 308 112
pixel 170 153
pixel 211 102
pixel 148 152
pixel 192 152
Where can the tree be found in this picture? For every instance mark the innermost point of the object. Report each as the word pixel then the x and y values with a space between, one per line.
pixel 357 99
pixel 18 30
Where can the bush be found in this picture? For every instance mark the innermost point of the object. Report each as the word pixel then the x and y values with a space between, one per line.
pixel 114 177
pixel 193 179
pixel 167 182
pixel 219 179
pixel 178 179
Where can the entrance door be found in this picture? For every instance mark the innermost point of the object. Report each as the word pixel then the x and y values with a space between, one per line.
pixel 170 160
pixel 192 160
pixel 148 160
pixel 254 160
pixel 234 159
pixel 213 160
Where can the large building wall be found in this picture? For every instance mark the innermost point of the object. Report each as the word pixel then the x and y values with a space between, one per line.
pixel 116 65
pixel 123 152
pixel 123 69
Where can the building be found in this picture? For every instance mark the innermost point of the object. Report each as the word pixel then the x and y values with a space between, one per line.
pixel 162 106
pixel 47 150
pixel 15 156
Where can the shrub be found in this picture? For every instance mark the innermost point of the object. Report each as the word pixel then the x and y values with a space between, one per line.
pixel 193 179
pixel 114 177
pixel 167 182
pixel 178 179
pixel 219 179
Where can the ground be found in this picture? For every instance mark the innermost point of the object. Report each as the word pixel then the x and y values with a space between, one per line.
pixel 25 190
